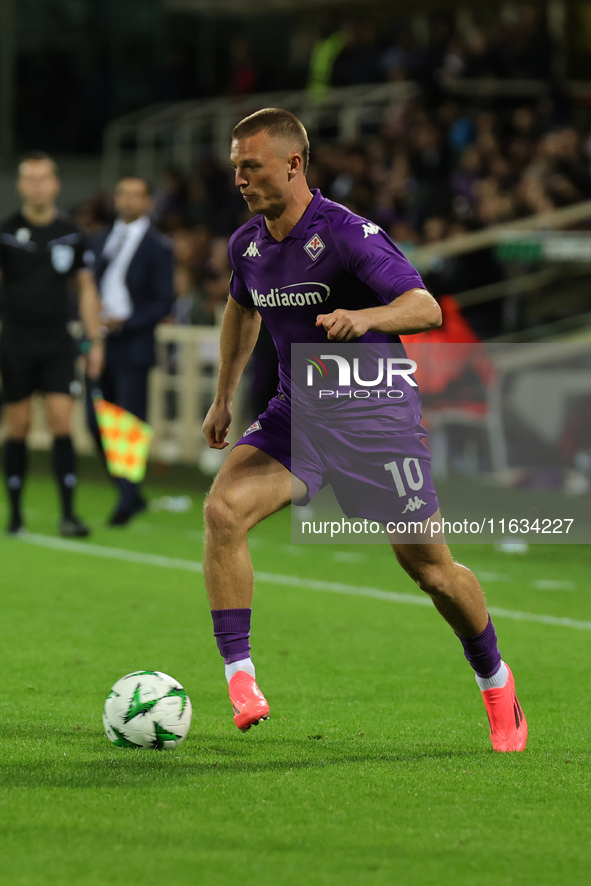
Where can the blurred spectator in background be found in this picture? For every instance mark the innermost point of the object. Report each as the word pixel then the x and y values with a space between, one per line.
pixel 524 49
pixel 328 46
pixel 134 272
pixel 200 204
pixel 358 61
pixel 430 164
pixel 176 81
pixel 243 73
pixel 402 58
pixel 171 201
pixel 94 214
pixel 187 299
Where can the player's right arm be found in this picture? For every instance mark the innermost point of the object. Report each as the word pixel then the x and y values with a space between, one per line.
pixel 239 333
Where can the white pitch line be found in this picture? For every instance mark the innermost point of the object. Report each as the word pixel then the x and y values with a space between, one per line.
pixel 309 584
pixel 348 557
pixel 92 550
pixel 546 585
pixel 493 576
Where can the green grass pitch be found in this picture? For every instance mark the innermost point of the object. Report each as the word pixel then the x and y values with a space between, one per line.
pixel 375 767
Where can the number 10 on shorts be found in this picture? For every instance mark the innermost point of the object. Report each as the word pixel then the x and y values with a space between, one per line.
pixel 413 475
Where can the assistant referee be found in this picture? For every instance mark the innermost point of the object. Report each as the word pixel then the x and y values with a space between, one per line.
pixel 41 251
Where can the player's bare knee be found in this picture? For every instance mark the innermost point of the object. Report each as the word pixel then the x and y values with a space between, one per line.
pixel 432 578
pixel 18 428
pixel 19 431
pixel 217 514
pixel 60 428
pixel 18 422
pixel 222 514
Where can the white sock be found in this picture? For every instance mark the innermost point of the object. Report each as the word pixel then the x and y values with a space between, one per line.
pixel 245 664
pixel 495 682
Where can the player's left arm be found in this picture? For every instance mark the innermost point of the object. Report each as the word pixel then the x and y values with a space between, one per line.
pixel 89 305
pixel 414 311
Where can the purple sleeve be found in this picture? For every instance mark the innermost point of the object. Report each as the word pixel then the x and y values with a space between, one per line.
pixel 238 289
pixel 369 254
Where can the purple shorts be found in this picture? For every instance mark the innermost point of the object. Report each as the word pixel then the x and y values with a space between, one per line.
pixel 375 472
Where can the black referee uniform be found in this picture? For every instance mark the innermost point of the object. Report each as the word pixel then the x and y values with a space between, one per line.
pixel 36 350
pixel 37 353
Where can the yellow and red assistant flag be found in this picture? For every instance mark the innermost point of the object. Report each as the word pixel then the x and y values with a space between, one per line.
pixel 125 438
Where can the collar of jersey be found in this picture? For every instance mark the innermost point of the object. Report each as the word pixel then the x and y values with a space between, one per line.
pixel 301 227
pixel 23 222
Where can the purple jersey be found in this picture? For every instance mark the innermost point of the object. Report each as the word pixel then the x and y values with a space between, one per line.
pixel 330 259
pixel 338 419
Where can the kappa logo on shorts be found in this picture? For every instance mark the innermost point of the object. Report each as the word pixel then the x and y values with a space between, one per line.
pixel 413 504
pixel 255 426
pixel 314 247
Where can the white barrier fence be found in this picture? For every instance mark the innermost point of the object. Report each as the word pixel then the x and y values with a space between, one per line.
pixel 182 387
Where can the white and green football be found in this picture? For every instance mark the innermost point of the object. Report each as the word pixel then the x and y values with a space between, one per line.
pixel 147 709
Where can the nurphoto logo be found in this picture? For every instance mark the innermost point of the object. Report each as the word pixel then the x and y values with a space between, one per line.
pixel 328 370
pixel 385 371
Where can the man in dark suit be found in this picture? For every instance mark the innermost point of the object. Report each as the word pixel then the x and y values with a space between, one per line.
pixel 134 274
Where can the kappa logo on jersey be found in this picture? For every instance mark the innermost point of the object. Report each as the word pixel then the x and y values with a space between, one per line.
pixel 314 247
pixel 62 257
pixel 413 504
pixel 252 251
pixel 255 426
pixel 370 228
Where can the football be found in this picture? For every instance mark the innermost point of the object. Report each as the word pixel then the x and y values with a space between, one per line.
pixel 147 709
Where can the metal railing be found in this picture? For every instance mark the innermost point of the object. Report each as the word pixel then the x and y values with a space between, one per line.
pixel 567 265
pixel 146 141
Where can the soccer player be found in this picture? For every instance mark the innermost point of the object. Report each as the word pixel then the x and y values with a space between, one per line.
pixel 373 295
pixel 40 252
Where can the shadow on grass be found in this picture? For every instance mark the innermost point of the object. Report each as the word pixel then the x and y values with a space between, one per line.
pixel 104 766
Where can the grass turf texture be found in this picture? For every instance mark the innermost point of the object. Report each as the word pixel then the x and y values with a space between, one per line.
pixel 376 766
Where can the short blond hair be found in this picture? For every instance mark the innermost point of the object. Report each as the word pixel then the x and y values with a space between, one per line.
pixel 277 122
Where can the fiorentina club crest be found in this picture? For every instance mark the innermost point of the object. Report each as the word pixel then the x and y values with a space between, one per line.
pixel 255 426
pixel 314 247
